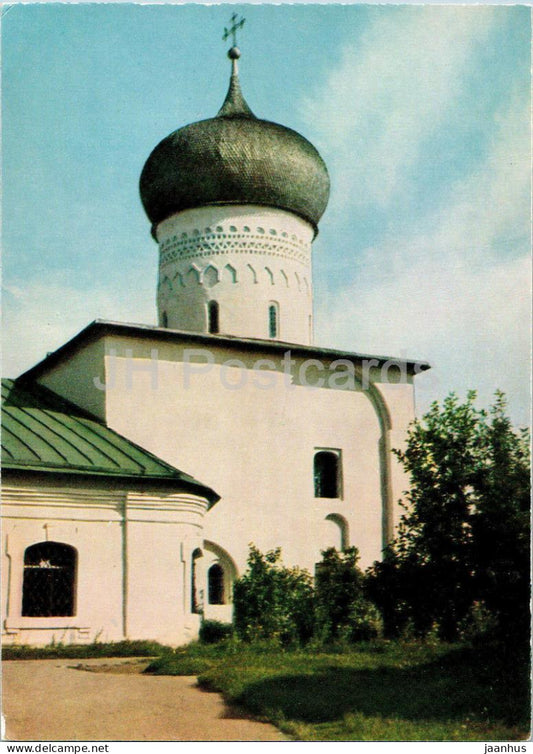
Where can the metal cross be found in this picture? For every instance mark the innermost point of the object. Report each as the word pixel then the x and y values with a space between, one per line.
pixel 232 31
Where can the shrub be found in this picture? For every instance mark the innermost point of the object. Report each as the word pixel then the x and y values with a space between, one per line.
pixel 341 609
pixel 365 621
pixel 126 648
pixel 273 602
pixel 213 631
pixel 479 623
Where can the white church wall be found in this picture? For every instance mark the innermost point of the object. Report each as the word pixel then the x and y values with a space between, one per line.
pixel 88 520
pixel 133 560
pixel 239 418
pixel 254 445
pixel 400 399
pixel 74 378
pixel 162 533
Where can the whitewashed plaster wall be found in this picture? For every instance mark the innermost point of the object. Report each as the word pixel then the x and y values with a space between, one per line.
pixel 250 431
pixel 133 550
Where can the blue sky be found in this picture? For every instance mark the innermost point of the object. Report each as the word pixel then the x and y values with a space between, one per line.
pixel 421 113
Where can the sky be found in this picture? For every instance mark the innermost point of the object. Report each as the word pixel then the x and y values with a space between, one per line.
pixel 421 113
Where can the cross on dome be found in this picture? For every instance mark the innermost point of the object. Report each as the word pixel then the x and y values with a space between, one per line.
pixel 232 31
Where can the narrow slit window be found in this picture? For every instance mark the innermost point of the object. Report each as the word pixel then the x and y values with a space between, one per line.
pixel 164 320
pixel 213 317
pixel 273 324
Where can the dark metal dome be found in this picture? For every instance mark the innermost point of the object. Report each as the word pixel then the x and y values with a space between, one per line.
pixel 234 158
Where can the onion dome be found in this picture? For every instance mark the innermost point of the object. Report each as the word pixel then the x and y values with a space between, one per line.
pixel 234 158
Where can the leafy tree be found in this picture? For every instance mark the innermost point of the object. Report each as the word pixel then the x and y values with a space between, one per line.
pixel 500 524
pixel 272 601
pixel 341 609
pixel 463 538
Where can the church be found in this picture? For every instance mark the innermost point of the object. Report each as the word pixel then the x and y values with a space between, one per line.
pixel 140 462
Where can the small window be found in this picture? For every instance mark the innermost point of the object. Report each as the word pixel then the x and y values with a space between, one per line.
pixel 49 580
pixel 212 317
pixel 327 474
pixel 273 324
pixel 215 585
pixel 164 320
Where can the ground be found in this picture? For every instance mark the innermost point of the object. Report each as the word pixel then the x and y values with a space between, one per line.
pixel 53 700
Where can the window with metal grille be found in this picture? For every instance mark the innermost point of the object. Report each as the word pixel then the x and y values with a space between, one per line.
pixel 48 588
pixel 215 585
pixel 326 470
pixel 212 317
pixel 273 320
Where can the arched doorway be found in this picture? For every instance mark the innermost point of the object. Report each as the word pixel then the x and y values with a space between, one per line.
pixel 220 575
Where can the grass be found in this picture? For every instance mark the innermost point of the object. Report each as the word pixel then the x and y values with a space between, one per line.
pixel 376 691
pixel 85 651
pixel 370 692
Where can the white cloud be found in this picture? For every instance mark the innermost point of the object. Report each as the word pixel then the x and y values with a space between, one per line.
pixel 41 315
pixel 388 93
pixel 459 295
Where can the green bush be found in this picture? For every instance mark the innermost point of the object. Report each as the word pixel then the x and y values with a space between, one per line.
pixel 273 602
pixel 479 624
pixel 341 610
pixel 214 631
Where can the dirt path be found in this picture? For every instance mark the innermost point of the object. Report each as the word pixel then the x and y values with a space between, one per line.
pixel 51 700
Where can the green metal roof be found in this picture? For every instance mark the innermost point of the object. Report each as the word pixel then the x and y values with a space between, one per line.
pixel 43 432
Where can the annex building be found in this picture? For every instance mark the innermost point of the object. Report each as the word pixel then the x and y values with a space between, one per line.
pixel 140 462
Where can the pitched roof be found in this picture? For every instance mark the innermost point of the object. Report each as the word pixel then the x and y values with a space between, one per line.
pixel 43 432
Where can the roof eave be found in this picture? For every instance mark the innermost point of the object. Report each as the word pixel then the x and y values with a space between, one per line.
pixel 202 491
pixel 99 327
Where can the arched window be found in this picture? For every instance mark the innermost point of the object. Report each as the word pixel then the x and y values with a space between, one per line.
pixel 212 317
pixel 273 324
pixel 48 588
pixel 196 606
pixel 327 474
pixel 215 585
pixel 164 320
